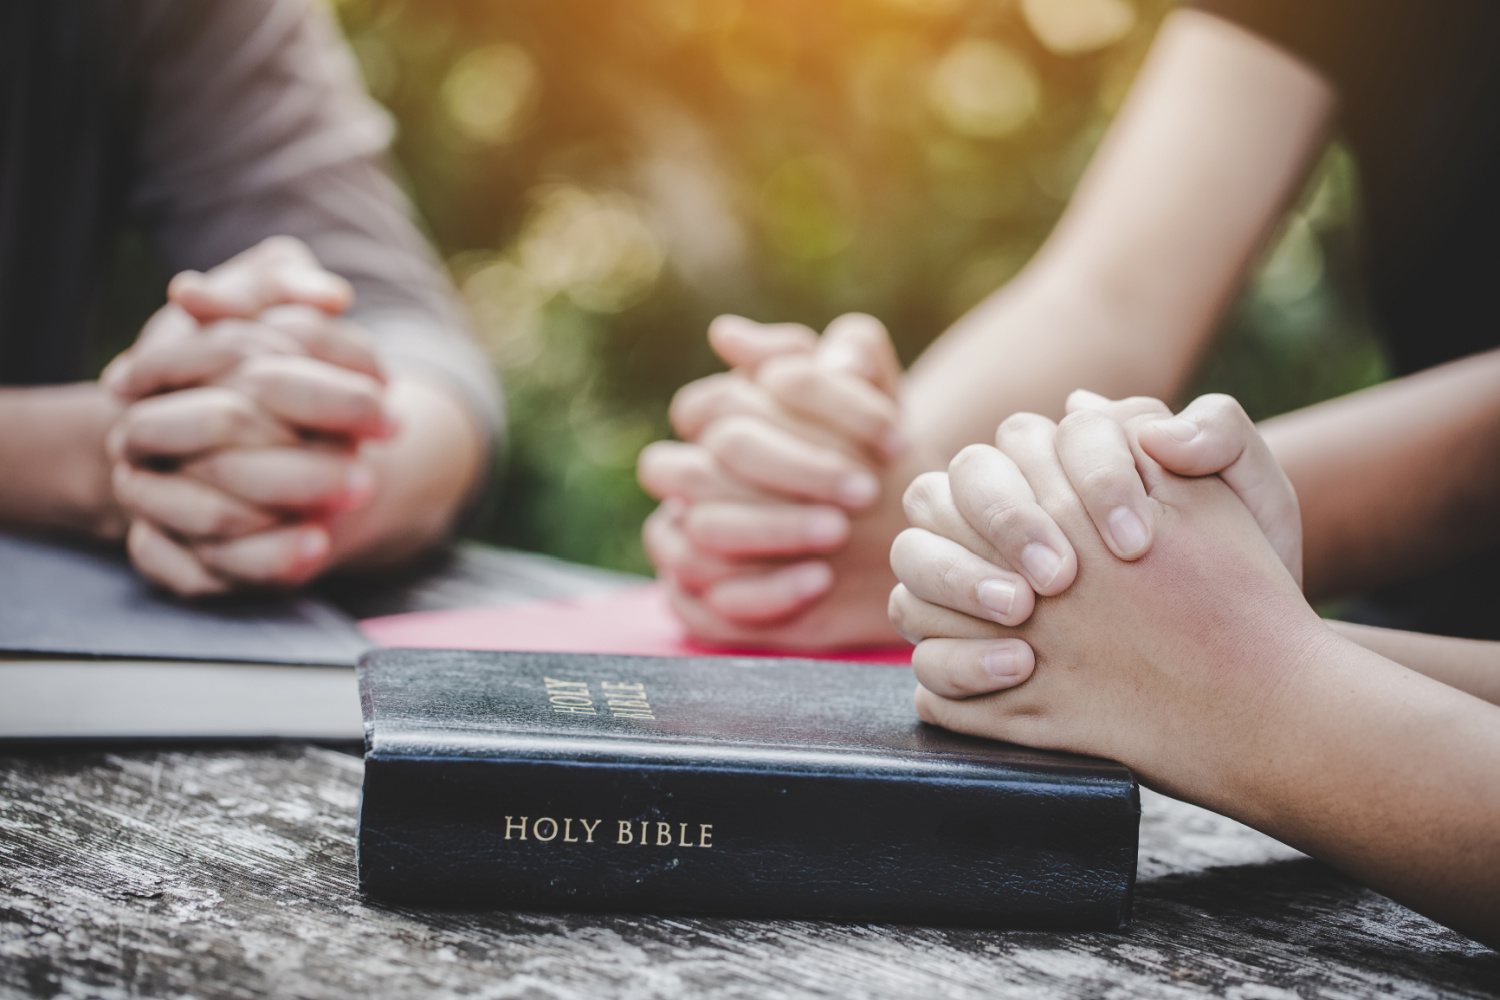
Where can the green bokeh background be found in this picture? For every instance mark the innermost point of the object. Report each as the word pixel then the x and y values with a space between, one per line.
pixel 605 176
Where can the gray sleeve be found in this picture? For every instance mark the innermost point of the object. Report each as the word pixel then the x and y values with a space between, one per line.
pixel 252 122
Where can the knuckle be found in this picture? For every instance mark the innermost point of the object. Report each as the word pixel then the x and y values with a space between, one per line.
pixel 652 467
pixel 221 519
pixel 1081 421
pixel 1144 403
pixel 733 435
pixel 1099 479
pixel 969 455
pixel 1228 409
pixel 1078 418
pixel 131 424
pixel 229 420
pixel 788 376
pixel 698 479
pixel 950 576
pixel 900 611
pixel 697 403
pixel 906 549
pixel 1021 423
pixel 281 246
pixel 1006 522
pixel 923 495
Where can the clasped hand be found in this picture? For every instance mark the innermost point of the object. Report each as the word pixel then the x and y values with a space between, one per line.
pixel 248 401
pixel 1067 591
pixel 780 500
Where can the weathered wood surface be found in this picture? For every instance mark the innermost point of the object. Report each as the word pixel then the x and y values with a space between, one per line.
pixel 229 872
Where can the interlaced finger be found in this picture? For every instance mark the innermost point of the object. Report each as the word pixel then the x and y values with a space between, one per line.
pixel 161 559
pixel 760 530
pixel 689 472
pixel 188 508
pixel 783 464
pixel 945 573
pixel 916 619
pixel 1097 458
pixel 996 498
pixel 966 668
pixel 191 422
pixel 843 402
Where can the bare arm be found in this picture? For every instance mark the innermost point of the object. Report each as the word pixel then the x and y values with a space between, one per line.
pixel 1213 141
pixel 1469 665
pixel 53 470
pixel 1396 479
pixel 1202 668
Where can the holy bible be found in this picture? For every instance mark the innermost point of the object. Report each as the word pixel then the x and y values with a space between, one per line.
pixel 737 787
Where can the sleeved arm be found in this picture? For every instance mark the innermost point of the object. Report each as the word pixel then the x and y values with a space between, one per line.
pixel 253 122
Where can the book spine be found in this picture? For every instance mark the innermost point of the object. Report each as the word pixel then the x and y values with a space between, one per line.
pixel 578 836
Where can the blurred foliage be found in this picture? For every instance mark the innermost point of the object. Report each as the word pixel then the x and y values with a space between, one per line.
pixel 605 176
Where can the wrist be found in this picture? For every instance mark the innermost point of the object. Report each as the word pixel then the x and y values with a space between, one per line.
pixel 1260 746
pixel 53 464
pixel 1254 670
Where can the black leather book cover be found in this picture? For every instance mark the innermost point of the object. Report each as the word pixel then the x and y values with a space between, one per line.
pixel 777 788
pixel 72 599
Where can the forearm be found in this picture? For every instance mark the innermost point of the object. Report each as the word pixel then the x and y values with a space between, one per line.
pixel 54 473
pixel 1383 773
pixel 1469 665
pixel 423 477
pixel 1396 479
pixel 1212 143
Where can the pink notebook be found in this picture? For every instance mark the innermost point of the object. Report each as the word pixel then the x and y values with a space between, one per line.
pixel 635 621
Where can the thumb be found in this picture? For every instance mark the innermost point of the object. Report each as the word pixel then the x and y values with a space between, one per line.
pixel 1214 435
pixel 277 271
pixel 860 344
pixel 744 343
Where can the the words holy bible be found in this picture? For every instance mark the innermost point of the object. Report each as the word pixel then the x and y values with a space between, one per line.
pixel 778 788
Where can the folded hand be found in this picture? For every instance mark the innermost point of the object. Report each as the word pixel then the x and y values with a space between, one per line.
pixel 1144 660
pixel 248 402
pixel 781 497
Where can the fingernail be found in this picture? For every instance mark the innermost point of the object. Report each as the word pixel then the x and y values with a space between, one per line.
pixel 312 284
pixel 858 489
pixel 1177 428
pixel 313 544
pixel 810 579
pixel 1128 531
pixel 359 483
pixel 839 357
pixel 1002 663
pixel 1041 562
pixel 892 443
pixel 825 528
pixel 998 595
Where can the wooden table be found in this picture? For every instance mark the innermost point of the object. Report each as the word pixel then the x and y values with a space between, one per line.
pixel 229 872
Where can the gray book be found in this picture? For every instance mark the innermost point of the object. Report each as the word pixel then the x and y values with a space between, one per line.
pixel 90 650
